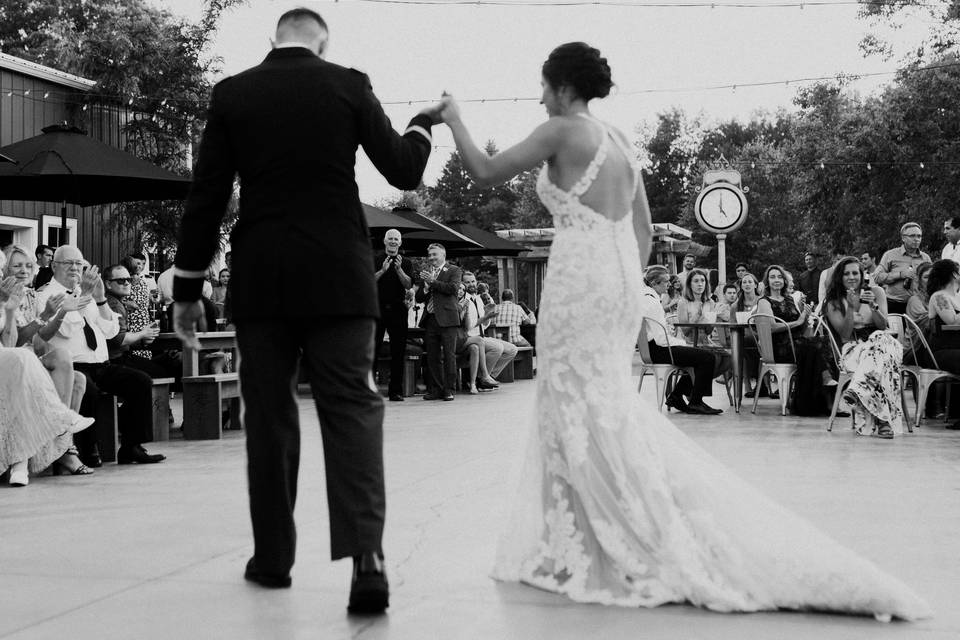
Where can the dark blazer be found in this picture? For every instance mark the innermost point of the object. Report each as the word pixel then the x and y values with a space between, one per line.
pixel 289 128
pixel 443 291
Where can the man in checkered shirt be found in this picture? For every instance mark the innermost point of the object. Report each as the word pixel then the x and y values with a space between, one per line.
pixel 512 315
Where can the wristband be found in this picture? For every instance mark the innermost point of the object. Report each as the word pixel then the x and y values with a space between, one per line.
pixel 101 303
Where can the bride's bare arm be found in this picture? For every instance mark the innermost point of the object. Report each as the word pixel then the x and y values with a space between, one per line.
pixel 489 170
pixel 642 222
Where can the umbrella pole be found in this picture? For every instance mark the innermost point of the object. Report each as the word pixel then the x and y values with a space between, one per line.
pixel 63 224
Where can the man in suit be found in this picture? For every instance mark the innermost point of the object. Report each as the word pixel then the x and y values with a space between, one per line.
pixel 441 319
pixel 394 277
pixel 290 128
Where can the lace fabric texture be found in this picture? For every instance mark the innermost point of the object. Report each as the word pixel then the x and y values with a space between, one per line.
pixel 616 505
pixel 34 424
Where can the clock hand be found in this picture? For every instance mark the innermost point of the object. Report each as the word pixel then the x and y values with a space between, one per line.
pixel 721 207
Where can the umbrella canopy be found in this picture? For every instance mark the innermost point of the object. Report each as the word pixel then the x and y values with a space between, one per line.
pixel 4 158
pixel 380 221
pixel 493 245
pixel 63 164
pixel 417 241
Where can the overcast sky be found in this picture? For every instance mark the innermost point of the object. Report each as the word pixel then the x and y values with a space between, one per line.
pixel 413 52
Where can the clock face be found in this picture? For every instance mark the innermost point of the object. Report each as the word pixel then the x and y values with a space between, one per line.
pixel 721 208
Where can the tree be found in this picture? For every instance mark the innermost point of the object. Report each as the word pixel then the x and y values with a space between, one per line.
pixel 146 61
pixel 457 197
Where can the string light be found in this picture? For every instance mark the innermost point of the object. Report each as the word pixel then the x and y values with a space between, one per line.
pixel 659 5
pixel 869 167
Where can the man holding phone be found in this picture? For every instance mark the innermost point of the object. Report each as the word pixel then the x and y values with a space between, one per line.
pixel 897 268
pixel 393 273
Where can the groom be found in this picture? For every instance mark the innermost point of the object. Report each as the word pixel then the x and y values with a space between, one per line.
pixel 289 128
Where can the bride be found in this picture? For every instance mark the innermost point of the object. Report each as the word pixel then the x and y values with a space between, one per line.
pixel 617 506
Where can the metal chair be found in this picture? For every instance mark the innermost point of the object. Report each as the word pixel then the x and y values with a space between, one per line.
pixel 844 377
pixel 783 372
pixel 909 335
pixel 662 373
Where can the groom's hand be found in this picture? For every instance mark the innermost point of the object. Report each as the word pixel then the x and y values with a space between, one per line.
pixel 449 109
pixel 433 112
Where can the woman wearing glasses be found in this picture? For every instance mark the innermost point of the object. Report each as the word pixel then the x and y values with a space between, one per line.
pixel 36 422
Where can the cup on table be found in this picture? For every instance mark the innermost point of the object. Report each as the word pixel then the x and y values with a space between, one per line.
pixel 709 317
pixel 743 316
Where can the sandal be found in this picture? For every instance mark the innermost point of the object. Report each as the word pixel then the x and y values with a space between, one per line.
pixel 59 467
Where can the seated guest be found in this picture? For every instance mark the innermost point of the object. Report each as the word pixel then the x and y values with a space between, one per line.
pixel 671 298
pixel 219 295
pixel 919 301
pixel 698 307
pixel 656 280
pixel 165 285
pixel 812 354
pixel 36 426
pixel 83 331
pixel 138 301
pixel 749 296
pixel 479 315
pixel 472 347
pixel 727 303
pixel 943 281
pixel 512 315
pixel 857 315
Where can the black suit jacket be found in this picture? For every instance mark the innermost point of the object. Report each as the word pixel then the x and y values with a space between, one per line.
pixel 290 128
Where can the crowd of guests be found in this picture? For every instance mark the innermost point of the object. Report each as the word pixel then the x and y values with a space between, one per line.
pixel 829 321
pixel 459 318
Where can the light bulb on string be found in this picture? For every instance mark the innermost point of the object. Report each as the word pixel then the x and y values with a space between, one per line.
pixel 921 165
pixel 26 93
pixel 822 166
pixel 46 95
pixel 869 167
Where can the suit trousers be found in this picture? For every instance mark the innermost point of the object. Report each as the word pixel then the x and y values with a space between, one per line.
pixel 393 321
pixel 337 354
pixel 441 345
pixel 135 390
pixel 702 361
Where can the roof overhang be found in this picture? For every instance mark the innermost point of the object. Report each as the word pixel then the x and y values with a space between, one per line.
pixel 41 72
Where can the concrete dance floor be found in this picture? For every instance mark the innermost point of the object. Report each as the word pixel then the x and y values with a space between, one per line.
pixel 158 551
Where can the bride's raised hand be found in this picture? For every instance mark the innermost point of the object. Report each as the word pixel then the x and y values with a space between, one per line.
pixel 433 112
pixel 450 110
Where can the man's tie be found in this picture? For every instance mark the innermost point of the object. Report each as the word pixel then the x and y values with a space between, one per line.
pixel 89 335
pixel 430 300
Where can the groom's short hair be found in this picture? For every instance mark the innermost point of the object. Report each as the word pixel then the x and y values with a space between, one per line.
pixel 300 14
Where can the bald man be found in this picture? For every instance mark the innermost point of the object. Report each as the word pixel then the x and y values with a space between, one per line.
pixel 290 128
pixel 394 277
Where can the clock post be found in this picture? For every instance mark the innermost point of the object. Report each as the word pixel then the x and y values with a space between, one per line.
pixel 721 208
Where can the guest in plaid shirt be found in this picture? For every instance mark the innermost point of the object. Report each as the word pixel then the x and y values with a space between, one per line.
pixel 512 315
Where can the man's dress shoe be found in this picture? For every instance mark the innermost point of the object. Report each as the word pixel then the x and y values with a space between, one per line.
pixel 676 401
pixel 431 396
pixel 447 396
pixel 369 592
pixel 396 397
pixel 267 580
pixel 137 454
pixel 702 408
pixel 91 458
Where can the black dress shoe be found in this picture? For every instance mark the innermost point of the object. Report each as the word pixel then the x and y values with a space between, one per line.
pixel 396 397
pixel 702 408
pixel 91 458
pixel 267 580
pixel 137 454
pixel 369 592
pixel 676 401
pixel 486 386
pixel 431 396
pixel 447 396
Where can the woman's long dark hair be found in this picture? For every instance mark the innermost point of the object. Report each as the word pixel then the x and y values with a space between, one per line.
pixel 942 272
pixel 740 304
pixel 836 290
pixel 688 291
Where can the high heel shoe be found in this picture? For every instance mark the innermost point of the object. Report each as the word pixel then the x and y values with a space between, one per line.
pixel 19 476
pixel 59 468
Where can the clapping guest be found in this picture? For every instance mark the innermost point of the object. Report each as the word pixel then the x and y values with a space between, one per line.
pixel 394 274
pixel 438 288
pixel 670 299
pixel 857 314
pixel 36 427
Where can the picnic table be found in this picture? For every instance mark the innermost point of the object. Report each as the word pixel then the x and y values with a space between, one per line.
pixel 209 340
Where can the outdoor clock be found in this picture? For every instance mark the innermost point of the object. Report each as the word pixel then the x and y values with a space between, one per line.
pixel 721 207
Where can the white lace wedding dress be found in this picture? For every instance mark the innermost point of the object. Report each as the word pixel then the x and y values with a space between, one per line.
pixel 616 505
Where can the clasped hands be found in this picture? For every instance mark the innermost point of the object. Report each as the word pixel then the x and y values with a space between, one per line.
pixel 446 110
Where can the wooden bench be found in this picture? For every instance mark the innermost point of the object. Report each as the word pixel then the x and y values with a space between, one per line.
pixel 523 363
pixel 411 362
pixel 204 395
pixel 161 408
pixel 108 436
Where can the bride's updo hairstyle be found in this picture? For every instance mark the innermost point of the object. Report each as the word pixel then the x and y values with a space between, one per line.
pixel 580 67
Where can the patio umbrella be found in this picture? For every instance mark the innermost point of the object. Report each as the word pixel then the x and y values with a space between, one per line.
pixel 63 164
pixel 417 242
pixel 4 158
pixel 380 221
pixel 493 245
